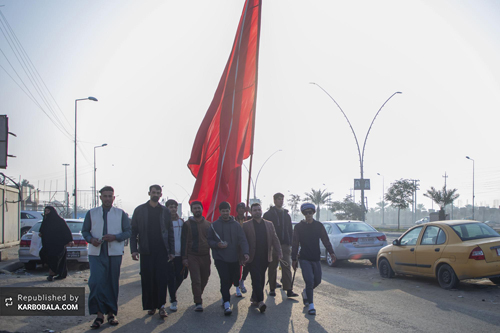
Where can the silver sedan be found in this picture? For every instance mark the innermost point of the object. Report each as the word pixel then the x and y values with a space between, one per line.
pixel 78 252
pixel 352 240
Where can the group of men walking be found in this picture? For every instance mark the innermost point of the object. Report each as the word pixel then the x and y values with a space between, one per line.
pixel 169 247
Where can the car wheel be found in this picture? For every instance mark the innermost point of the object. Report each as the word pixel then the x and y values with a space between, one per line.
pixel 385 269
pixel 332 262
pixel 495 280
pixel 25 230
pixel 373 261
pixel 447 278
pixel 30 266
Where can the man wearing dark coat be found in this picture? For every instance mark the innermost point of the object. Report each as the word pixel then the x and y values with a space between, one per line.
pixel 229 249
pixel 283 226
pixel 153 238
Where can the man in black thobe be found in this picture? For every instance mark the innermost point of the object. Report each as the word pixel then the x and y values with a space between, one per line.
pixel 152 227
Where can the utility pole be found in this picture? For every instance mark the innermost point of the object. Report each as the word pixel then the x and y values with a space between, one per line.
pixel 66 187
pixel 445 176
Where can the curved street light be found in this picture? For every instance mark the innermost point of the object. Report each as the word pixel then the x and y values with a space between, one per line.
pixel 254 184
pixel 473 196
pixel 361 153
pixel 90 98
pixel 95 173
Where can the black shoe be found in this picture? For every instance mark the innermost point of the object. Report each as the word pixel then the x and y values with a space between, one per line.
pixel 272 293
pixel 50 278
pixel 290 293
pixel 278 285
pixel 59 278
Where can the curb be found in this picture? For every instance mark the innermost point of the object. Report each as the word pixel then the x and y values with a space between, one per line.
pixel 12 267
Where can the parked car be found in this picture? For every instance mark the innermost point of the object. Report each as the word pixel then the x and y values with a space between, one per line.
pixel 422 220
pixel 448 250
pixel 352 240
pixel 78 252
pixel 494 225
pixel 28 219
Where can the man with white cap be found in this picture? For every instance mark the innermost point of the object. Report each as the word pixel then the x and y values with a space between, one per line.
pixel 306 235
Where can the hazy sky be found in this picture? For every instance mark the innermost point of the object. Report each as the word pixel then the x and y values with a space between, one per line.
pixel 155 65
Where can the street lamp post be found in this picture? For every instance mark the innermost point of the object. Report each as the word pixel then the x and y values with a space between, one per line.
pixel 66 187
pixel 473 196
pixel 254 184
pixel 76 183
pixel 361 153
pixel 383 198
pixel 95 173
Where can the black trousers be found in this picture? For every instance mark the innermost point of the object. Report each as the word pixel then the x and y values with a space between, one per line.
pixel 258 268
pixel 244 273
pixel 229 274
pixel 176 274
pixel 154 273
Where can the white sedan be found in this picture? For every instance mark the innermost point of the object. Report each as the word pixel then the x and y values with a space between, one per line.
pixel 352 240
pixel 78 252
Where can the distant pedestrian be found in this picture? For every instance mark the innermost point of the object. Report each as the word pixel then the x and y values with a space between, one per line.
pixel 283 226
pixel 55 235
pixel 196 252
pixel 229 249
pixel 241 210
pixel 306 236
pixel 177 271
pixel 152 230
pixel 105 228
pixel 262 241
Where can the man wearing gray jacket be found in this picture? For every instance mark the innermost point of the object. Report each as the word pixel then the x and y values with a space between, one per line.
pixel 229 249
pixel 152 229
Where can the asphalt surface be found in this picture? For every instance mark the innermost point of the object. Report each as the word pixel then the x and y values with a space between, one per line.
pixel 351 298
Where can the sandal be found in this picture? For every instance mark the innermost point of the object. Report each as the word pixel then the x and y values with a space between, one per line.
pixel 163 313
pixel 151 312
pixel 97 323
pixel 112 320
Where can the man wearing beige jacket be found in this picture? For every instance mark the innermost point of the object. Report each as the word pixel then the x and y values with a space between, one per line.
pixel 262 241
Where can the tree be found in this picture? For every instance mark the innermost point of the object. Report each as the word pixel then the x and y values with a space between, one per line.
pixel 347 209
pixel 400 195
pixel 318 198
pixel 381 206
pixel 442 198
pixel 294 203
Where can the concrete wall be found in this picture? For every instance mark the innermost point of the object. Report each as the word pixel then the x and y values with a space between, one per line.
pixel 9 216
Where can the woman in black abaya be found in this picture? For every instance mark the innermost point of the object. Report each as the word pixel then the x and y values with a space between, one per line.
pixel 55 236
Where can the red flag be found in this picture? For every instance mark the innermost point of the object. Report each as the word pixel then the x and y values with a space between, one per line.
pixel 225 137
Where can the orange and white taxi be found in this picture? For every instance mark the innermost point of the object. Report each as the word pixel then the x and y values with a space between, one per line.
pixel 448 250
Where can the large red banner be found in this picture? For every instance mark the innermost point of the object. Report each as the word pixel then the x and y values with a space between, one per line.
pixel 225 137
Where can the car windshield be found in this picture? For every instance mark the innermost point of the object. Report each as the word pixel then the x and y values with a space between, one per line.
pixel 354 227
pixel 75 227
pixel 468 231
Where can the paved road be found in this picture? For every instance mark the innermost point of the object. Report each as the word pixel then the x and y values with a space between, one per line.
pixel 352 298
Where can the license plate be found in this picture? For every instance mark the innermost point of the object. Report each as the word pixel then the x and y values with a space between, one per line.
pixel 366 239
pixel 498 251
pixel 73 254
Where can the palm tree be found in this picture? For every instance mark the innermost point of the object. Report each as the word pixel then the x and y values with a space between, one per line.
pixel 442 198
pixel 294 203
pixel 318 198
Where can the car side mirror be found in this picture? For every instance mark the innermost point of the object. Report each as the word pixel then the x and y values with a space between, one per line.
pixel 395 242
